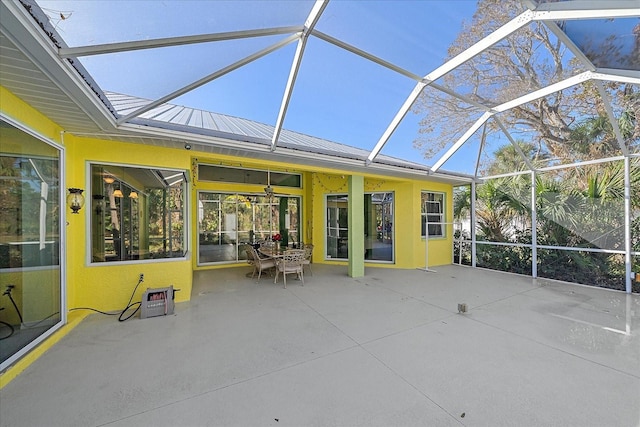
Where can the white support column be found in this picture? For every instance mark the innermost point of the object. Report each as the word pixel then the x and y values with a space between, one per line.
pixel 473 223
pixel 534 225
pixel 627 223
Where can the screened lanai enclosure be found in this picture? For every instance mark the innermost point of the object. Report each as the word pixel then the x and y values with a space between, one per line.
pixel 535 103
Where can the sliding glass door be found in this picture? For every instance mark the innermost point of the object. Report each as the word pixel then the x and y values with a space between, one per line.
pixel 227 221
pixel 378 227
pixel 30 270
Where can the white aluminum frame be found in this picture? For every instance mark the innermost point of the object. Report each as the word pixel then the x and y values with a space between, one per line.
pixel 548 12
pixel 627 252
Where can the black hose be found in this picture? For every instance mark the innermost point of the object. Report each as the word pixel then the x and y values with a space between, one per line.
pixel 8 292
pixel 129 305
pixel 11 330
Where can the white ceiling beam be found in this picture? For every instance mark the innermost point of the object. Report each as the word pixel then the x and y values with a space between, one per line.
pixel 587 9
pixel 208 78
pixel 314 16
pixel 606 101
pixel 101 49
pixel 509 28
pixel 556 87
pixel 316 11
pixel 482 142
pixel 455 147
pixel 396 68
pixel 572 15
pixel 622 76
pixel 284 105
pixel 365 55
pixel 493 38
pixel 516 146
pixel 404 109
pixel 462 98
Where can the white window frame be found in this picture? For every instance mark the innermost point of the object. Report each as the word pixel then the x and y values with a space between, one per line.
pixel 424 214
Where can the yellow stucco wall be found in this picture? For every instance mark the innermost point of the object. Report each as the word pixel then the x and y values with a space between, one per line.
pixel 108 286
pixel 409 247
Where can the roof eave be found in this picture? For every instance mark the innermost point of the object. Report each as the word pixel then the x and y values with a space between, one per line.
pixel 246 146
pixel 24 30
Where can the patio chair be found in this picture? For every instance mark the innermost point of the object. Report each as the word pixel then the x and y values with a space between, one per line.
pixel 308 251
pixel 259 264
pixel 291 261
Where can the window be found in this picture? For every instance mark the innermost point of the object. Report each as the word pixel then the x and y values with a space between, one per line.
pixel 215 173
pixel 228 221
pixel 432 210
pixel 137 213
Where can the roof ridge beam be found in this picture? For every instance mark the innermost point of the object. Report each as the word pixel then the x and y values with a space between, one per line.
pixel 311 21
pixel 100 49
pixel 208 78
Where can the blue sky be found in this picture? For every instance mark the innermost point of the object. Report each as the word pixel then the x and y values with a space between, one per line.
pixel 338 96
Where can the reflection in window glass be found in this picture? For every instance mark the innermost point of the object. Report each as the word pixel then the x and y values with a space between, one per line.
pixel 216 173
pixel 137 213
pixel 337 226
pixel 30 285
pixel 378 226
pixel 227 221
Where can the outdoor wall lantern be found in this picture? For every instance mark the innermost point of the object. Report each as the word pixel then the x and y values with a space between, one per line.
pixel 75 199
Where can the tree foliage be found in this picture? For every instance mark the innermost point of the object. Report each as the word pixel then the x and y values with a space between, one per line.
pixel 566 126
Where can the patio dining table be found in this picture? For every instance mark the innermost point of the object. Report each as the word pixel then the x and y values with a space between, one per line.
pixel 271 252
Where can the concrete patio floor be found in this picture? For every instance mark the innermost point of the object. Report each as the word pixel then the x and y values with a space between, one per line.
pixel 387 349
